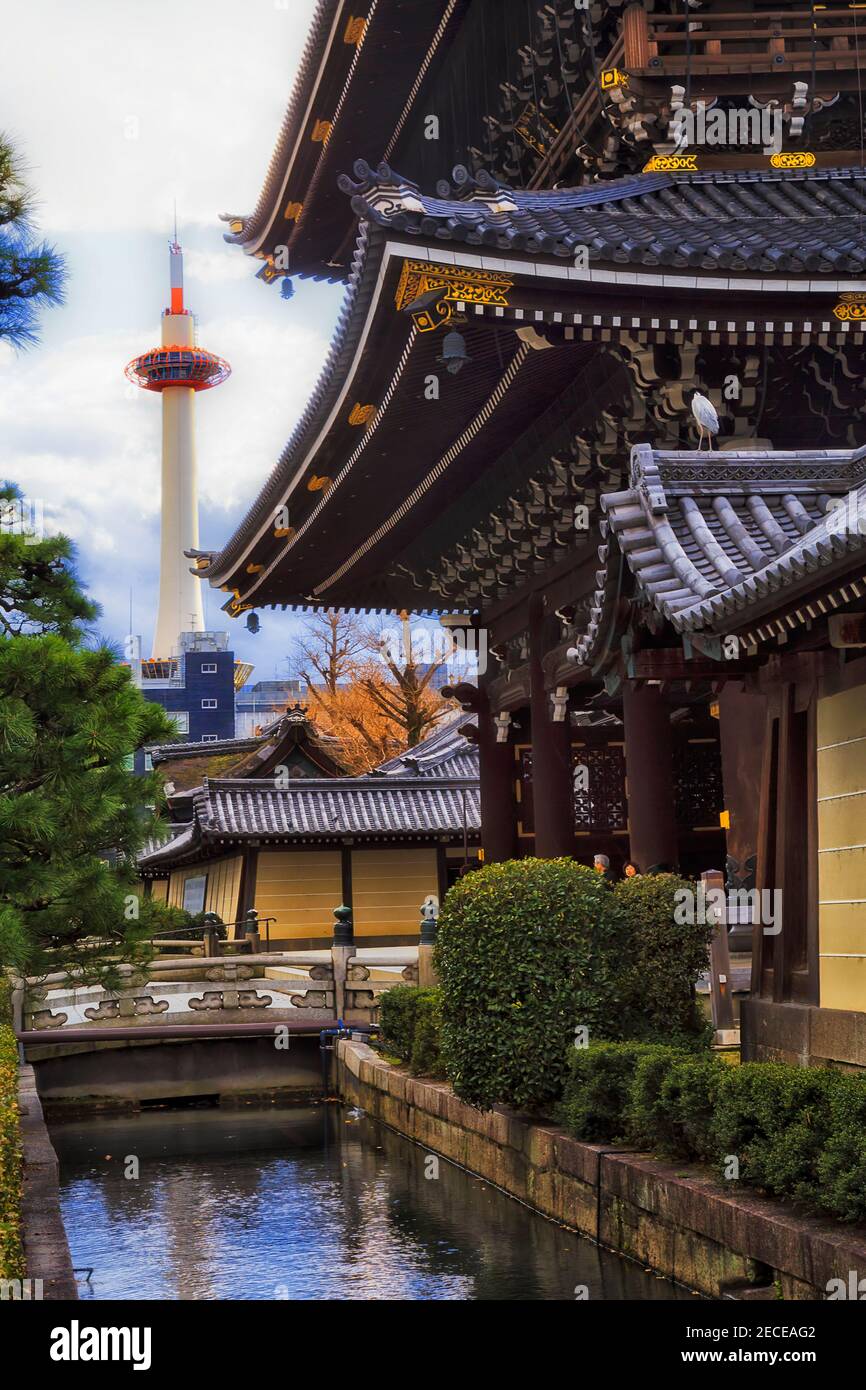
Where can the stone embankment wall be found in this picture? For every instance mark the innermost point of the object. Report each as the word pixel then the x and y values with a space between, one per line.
pixel 46 1249
pixel 679 1221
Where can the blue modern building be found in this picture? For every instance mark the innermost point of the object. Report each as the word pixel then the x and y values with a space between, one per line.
pixel 196 687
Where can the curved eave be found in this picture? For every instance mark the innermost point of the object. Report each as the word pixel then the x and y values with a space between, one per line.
pixel 376 352
pixel 365 89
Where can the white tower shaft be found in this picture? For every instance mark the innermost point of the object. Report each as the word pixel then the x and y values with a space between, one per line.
pixel 180 596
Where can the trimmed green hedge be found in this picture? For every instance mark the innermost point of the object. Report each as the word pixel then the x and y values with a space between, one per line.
pixel 410 1022
pixel 662 959
pixel 526 952
pixel 531 950
pixel 11 1250
pixel 797 1132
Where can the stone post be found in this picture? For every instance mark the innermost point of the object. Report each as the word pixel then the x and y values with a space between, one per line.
pixel 211 939
pixel 427 977
pixel 251 930
pixel 342 951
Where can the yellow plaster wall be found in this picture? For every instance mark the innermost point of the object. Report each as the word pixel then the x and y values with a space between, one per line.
pixel 842 849
pixel 223 885
pixel 159 890
pixel 300 888
pixel 388 888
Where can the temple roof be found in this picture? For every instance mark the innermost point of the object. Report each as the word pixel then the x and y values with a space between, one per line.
pixel 186 765
pixel 706 257
pixel 716 542
pixel 443 753
pixel 809 221
pixel 428 791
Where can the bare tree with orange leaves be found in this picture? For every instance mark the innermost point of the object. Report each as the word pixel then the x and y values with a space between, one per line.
pixel 372 694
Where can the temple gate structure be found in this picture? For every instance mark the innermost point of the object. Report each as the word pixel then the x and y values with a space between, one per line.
pixel 540 274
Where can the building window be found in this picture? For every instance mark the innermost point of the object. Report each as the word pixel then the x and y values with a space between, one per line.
pixel 210 738
pixel 209 668
pixel 181 719
pixel 208 704
pixel 148 762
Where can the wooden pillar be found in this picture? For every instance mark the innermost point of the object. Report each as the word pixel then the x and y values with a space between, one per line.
pixel 247 891
pixel 742 731
pixel 635 33
pixel 552 779
pixel 652 825
pixel 497 773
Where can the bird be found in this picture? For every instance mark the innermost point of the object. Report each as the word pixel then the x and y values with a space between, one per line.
pixel 708 421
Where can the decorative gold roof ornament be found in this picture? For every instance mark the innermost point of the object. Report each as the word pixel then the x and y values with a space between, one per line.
pixel 354 31
pixel 466 285
pixel 612 77
pixel 672 164
pixel 293 212
pixel 793 159
pixel 321 132
pixel 851 307
pixel 361 414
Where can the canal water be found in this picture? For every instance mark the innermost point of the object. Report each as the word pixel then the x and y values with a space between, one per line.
pixel 315 1202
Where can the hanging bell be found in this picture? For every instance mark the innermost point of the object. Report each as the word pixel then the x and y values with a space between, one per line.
pixel 454 355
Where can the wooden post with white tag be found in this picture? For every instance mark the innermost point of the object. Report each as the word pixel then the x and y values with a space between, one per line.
pixel 720 960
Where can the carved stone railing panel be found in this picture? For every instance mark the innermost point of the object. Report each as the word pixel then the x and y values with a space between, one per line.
pixel 313 999
pixel 230 972
pixel 44 1019
pixel 140 1005
pixel 230 999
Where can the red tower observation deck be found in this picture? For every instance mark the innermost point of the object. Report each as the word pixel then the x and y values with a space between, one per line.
pixel 177 364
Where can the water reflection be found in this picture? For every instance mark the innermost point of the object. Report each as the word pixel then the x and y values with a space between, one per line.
pixel 305 1203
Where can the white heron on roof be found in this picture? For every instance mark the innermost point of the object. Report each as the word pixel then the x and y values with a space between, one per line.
pixel 708 421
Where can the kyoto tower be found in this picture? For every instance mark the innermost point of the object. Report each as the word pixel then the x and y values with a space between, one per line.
pixel 177 370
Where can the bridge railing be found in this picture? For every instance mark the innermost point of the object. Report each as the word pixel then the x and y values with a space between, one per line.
pixel 309 986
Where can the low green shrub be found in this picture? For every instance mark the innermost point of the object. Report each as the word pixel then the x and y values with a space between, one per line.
pixel 597 1098
pixel 426 1055
pixel 777 1120
pixel 797 1132
pixel 410 1027
pixel 842 1164
pixel 673 1102
pixel 527 951
pixel 11 1250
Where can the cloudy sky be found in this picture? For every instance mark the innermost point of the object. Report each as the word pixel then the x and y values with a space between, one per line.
pixel 120 108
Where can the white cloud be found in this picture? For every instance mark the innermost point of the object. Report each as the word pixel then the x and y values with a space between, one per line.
pixel 216 267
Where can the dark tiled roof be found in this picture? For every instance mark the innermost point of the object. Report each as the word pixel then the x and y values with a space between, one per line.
pixel 423 793
pixel 444 753
pixel 166 752
pixel 324 810
pixel 335 807
pixel 711 538
pixel 805 222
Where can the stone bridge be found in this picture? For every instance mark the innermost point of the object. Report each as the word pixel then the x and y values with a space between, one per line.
pixel 209 1025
